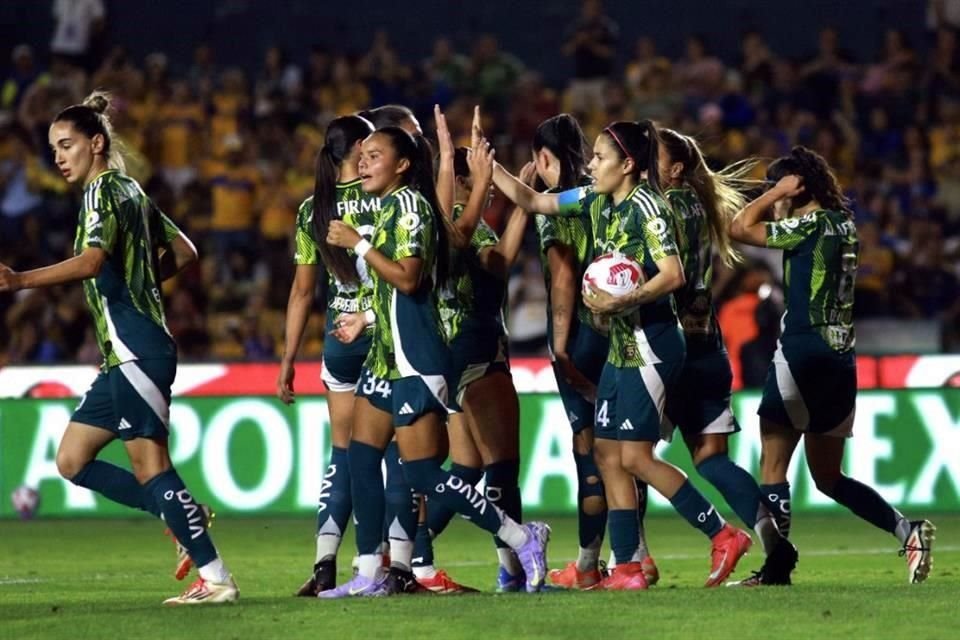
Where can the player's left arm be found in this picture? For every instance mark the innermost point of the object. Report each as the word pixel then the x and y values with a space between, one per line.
pixel 86 265
pixel 176 251
pixel 499 258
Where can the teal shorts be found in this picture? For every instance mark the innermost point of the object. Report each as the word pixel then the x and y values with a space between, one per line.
pixel 588 350
pixel 810 387
pixel 342 363
pixel 406 399
pixel 631 402
pixel 699 404
pixel 131 400
pixel 475 356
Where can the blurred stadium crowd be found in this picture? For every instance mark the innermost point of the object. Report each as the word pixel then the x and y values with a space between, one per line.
pixel 230 154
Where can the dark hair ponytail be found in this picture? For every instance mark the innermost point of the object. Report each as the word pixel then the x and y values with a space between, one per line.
pixel 417 151
pixel 819 181
pixel 342 135
pixel 564 138
pixel 389 115
pixel 638 141
pixel 90 118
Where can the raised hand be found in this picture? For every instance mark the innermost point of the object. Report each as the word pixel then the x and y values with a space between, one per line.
pixel 343 235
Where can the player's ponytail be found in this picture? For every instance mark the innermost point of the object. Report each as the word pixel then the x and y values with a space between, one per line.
pixel 819 181
pixel 91 118
pixel 564 138
pixel 719 192
pixel 417 151
pixel 638 141
pixel 342 136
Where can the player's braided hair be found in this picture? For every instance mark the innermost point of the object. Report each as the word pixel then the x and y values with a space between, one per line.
pixel 342 135
pixel 819 181
pixel 563 136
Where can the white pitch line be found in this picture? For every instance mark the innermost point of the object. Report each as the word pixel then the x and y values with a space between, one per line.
pixel 5 581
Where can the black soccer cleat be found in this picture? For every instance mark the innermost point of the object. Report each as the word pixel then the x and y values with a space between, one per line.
pixel 324 578
pixel 776 568
pixel 400 581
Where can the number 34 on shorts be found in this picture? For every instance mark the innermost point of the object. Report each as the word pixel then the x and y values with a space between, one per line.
pixel 376 390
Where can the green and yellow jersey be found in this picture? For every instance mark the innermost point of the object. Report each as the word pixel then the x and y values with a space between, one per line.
pixel 640 227
pixel 408 336
pixel 820 256
pixel 125 297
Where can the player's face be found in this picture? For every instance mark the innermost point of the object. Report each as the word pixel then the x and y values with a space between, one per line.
pixel 73 152
pixel 608 169
pixel 380 169
pixel 668 170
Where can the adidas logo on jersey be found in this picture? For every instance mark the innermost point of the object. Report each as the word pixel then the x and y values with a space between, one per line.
pixel 627 425
pixel 406 409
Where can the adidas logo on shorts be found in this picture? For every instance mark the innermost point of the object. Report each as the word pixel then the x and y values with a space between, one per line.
pixel 124 424
pixel 406 409
pixel 627 425
pixel 572 417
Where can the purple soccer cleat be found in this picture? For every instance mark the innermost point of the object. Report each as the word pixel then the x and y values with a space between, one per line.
pixel 533 555
pixel 359 586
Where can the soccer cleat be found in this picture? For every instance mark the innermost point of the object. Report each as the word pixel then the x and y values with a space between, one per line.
pixel 206 592
pixel 628 576
pixel 324 578
pixel 442 583
pixel 507 583
pixel 776 568
pixel 728 547
pixel 533 555
pixel 184 562
pixel 400 581
pixel 570 577
pixel 650 571
pixel 358 586
pixel 918 550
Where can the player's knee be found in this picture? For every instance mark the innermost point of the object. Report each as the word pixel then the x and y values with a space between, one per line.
pixel 424 476
pixel 637 461
pixel 592 500
pixel 69 464
pixel 582 443
pixel 826 481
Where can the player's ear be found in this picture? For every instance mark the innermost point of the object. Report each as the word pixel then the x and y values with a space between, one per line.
pixel 402 166
pixel 96 143
pixel 629 166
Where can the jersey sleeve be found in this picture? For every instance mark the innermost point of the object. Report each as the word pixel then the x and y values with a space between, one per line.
pixel 548 232
pixel 656 221
pixel 169 228
pixel 100 221
pixel 307 251
pixel 574 202
pixel 410 228
pixel 790 232
pixel 484 237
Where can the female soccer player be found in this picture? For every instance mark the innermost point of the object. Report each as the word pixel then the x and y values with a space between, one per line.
pixel 811 384
pixel 646 345
pixel 484 433
pixel 337 196
pixel 578 348
pixel 703 202
pixel 404 386
pixel 125 247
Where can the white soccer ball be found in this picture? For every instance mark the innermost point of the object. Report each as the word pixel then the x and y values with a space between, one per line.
pixel 26 500
pixel 614 273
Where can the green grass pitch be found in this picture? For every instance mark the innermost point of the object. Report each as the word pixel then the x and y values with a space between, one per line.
pixel 106 579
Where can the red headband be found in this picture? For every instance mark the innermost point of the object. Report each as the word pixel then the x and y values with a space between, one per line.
pixel 610 132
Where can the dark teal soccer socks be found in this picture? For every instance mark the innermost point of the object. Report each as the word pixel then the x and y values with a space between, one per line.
pixel 183 515
pixel 366 480
pixel 624 526
pixel 590 526
pixel 777 498
pixel 503 490
pixel 736 486
pixel 438 517
pixel 335 505
pixel 866 503
pixel 698 512
pixel 117 484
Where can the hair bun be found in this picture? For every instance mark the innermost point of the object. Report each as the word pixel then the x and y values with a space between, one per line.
pixel 98 102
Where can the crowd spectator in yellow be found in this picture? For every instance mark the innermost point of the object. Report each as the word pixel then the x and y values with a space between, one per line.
pixel 181 121
pixel 234 183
